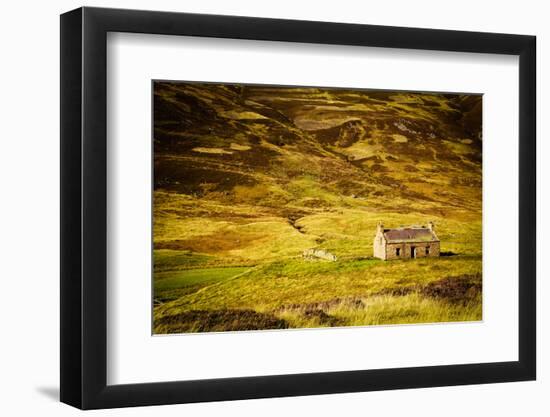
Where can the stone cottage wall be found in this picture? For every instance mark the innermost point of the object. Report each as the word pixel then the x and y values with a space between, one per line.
pixel 379 247
pixel 406 250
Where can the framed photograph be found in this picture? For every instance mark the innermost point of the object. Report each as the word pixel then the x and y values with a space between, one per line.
pixel 257 208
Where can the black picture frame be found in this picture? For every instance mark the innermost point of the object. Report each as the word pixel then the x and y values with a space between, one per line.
pixel 84 207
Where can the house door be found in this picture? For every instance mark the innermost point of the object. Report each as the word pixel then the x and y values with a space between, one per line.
pixel 413 252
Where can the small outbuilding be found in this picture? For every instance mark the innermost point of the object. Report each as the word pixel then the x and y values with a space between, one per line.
pixel 406 242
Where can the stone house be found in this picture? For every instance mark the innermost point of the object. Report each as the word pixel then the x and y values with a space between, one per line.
pixel 405 242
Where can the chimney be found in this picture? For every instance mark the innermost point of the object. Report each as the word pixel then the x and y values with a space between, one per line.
pixel 431 226
pixel 379 228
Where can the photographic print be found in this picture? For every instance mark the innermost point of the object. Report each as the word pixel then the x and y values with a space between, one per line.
pixel 281 207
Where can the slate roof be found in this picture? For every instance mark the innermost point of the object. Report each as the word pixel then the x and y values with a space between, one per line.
pixel 410 234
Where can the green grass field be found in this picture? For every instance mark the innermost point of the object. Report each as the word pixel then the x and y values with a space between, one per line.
pixel 247 179
pixel 260 271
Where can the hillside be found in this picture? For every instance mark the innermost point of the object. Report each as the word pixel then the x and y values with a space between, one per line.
pixel 248 177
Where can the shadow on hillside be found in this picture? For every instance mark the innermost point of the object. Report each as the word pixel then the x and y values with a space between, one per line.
pixel 448 253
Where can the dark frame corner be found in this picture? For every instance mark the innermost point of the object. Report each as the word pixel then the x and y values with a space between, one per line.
pixel 83 207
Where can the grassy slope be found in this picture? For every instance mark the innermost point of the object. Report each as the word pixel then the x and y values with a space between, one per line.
pixel 248 178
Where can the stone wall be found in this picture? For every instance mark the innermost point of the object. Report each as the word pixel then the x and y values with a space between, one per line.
pixel 319 254
pixel 405 250
pixel 379 247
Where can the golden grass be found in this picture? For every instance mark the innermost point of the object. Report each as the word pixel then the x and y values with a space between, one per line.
pixel 215 151
pixel 386 310
pixel 237 147
pixel 277 276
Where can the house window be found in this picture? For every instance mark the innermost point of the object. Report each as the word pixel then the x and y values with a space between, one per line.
pixel 397 250
pixel 427 250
